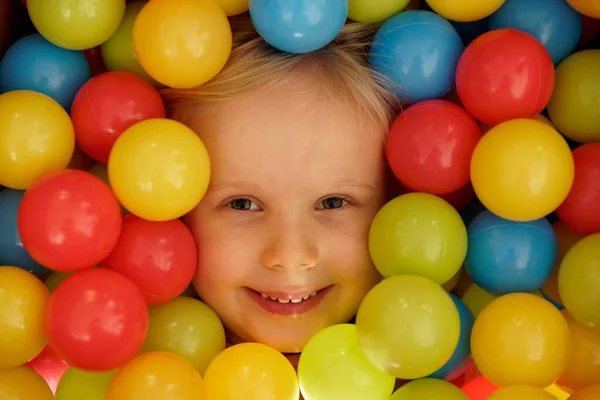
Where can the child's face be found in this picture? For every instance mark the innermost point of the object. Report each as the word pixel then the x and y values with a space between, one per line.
pixel 297 178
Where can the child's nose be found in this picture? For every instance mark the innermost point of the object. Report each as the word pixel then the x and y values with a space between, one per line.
pixel 290 245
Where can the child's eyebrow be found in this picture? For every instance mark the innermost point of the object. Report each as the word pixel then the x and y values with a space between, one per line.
pixel 241 185
pixel 356 184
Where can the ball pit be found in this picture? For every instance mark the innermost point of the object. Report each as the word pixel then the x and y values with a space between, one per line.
pixel 489 251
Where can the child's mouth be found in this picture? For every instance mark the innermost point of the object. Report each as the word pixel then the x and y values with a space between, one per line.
pixel 287 303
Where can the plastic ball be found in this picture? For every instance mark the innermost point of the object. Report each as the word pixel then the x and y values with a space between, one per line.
pixel 36 138
pixel 521 339
pixel 182 44
pixel 76 25
pixel 465 10
pixel 107 105
pixel 575 107
pixel 118 52
pixel 12 251
pixel 479 388
pixel 521 392
pixel 522 170
pixel 78 208
pixel 420 234
pixel 476 299
pixel 374 11
pixel 156 376
pixel 33 63
pixel 300 26
pixel 579 281
pixel 583 368
pixel 78 385
pixel 512 57
pixel 505 256
pixel 251 371
pixel 186 327
pixel 429 147
pixel 159 257
pixel 332 366
pixel 95 61
pixel 159 169
pixel 458 363
pixel 590 8
pixel 419 51
pixel 392 320
pixel 96 320
pixel 588 393
pixel 429 389
pixel 233 7
pixel 23 298
pixel 22 383
pixel 581 209
pixel 49 367
pixel 553 22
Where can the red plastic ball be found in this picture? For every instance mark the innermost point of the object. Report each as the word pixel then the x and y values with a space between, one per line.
pixel 430 145
pixel 479 389
pixel 95 60
pixel 96 320
pixel 107 105
pixel 49 366
pixel 504 74
pixel 159 257
pixel 69 220
pixel 581 209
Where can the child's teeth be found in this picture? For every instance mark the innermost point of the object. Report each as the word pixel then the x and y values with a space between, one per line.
pixel 286 301
pixel 313 294
pixel 296 300
pixel 283 301
pixel 273 298
pixel 264 295
pixel 306 297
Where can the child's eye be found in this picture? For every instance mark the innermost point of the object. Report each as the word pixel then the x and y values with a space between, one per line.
pixel 331 203
pixel 243 205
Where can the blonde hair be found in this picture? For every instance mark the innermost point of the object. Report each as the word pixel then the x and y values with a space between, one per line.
pixel 253 65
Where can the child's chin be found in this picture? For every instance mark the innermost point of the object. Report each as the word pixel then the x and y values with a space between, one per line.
pixel 285 342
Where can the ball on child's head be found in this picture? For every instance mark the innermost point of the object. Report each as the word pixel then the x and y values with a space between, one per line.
pixel 419 51
pixel 300 26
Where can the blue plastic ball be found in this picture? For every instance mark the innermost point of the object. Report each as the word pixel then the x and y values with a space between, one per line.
pixel 506 256
pixel 12 251
pixel 553 22
pixel 33 63
pixel 298 26
pixel 458 363
pixel 419 51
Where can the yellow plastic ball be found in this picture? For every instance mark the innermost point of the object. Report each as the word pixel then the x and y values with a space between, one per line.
pixel 36 138
pixel 429 389
pixel 76 25
pixel 332 366
pixel 522 170
pixel 579 281
pixel 418 234
pixel 118 52
pixel 76 384
pixel 156 376
pixel 408 326
pixel 251 371
pixel 476 299
pixel 159 169
pixel 590 8
pixel 587 393
pixel 521 392
pixel 583 368
pixel 183 43
pixel 374 11
pixel 574 107
pixel 233 7
pixel 23 299
pixel 521 339
pixel 186 327
pixel 23 383
pixel 465 10
pixel 557 392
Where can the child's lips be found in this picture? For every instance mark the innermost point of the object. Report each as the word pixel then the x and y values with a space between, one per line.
pixel 288 303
